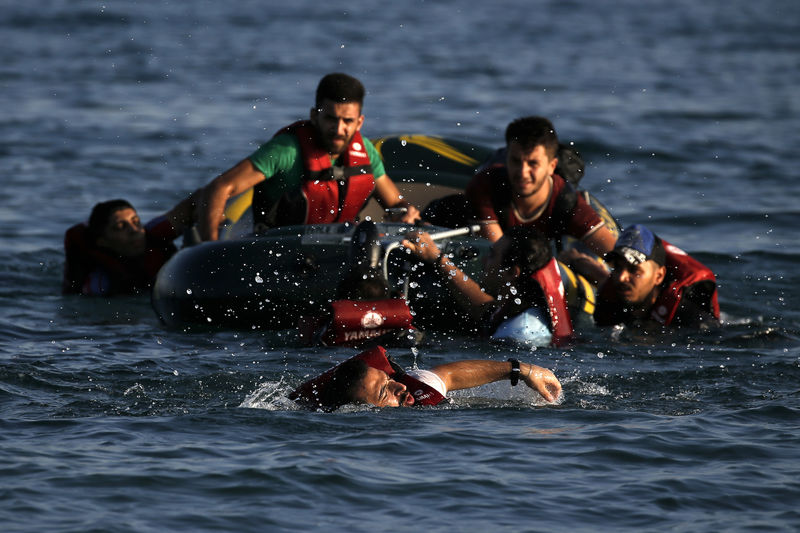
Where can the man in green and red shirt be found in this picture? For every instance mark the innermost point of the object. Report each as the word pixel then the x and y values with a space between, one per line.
pixel 316 171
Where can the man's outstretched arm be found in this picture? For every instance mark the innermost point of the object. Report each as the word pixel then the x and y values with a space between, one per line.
pixel 211 204
pixel 388 196
pixel 477 372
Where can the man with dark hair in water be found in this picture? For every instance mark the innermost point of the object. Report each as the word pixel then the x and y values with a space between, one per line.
pixel 319 170
pixel 115 254
pixel 372 378
pixel 653 281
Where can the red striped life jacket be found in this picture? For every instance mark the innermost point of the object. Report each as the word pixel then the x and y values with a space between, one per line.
pixel 549 279
pixel 327 194
pixel 682 271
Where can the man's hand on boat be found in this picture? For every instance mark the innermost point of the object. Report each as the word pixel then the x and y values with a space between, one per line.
pixel 404 212
pixel 421 244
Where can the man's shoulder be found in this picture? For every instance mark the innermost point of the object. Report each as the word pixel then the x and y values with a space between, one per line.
pixel 562 188
pixel 564 196
pixel 281 141
pixel 374 157
pixel 368 144
pixel 280 153
pixel 76 235
pixel 429 378
pixel 370 149
pixel 493 178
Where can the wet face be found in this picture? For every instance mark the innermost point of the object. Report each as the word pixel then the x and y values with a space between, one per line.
pixel 634 284
pixel 378 389
pixel 337 124
pixel 124 234
pixel 528 168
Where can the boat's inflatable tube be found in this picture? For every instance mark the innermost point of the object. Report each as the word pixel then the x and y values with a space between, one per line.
pixel 267 280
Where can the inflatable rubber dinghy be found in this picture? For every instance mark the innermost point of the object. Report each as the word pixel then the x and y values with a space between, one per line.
pixel 267 280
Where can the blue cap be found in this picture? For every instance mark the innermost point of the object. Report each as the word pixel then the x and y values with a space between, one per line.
pixel 638 244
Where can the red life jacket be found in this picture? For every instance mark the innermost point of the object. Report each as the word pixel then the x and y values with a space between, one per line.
pixel 327 196
pixel 354 321
pixel 312 391
pixel 565 213
pixel 89 269
pixel 549 279
pixel 682 271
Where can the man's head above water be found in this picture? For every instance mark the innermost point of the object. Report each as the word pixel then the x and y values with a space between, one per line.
pixel 115 225
pixel 356 382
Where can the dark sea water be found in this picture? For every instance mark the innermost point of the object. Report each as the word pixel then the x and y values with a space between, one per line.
pixel 688 116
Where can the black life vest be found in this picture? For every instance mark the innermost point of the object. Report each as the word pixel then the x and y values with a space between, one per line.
pixel 327 194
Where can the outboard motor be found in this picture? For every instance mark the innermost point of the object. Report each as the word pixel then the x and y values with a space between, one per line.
pixel 365 248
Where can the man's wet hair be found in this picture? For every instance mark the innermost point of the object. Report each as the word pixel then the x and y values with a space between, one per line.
pixel 101 213
pixel 362 283
pixel 530 132
pixel 342 386
pixel 340 89
pixel 530 250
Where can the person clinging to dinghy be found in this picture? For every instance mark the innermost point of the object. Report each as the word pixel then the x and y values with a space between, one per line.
pixel 314 171
pixel 530 298
pixel 114 253
pixel 372 378
pixel 523 189
pixel 654 282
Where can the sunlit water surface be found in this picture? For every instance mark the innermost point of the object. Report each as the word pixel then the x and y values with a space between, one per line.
pixel 687 115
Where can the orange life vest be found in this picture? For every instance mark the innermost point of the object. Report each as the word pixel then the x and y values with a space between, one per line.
pixel 683 271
